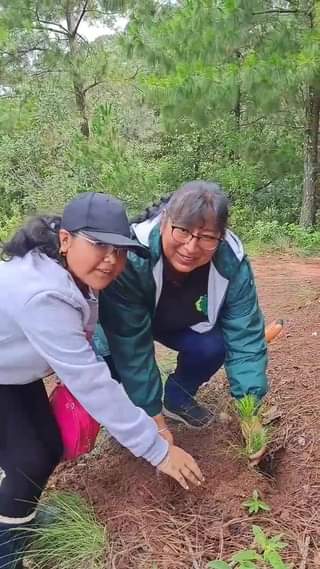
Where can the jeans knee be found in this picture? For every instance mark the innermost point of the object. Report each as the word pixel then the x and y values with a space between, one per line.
pixel 209 349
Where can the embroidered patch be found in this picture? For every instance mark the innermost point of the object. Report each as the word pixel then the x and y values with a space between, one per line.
pixel 202 304
pixel 2 475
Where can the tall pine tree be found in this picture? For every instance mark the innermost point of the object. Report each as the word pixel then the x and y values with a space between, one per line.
pixel 254 60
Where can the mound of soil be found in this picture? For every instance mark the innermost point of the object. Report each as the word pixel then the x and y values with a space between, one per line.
pixel 154 524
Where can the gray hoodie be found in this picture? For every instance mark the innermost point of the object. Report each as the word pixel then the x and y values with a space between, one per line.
pixel 44 325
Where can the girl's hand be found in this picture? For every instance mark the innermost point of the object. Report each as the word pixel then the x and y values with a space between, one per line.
pixel 182 467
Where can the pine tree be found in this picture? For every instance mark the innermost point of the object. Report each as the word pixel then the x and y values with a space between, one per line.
pixel 46 38
pixel 256 61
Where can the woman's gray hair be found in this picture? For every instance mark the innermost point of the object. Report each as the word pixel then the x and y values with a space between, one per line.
pixel 196 203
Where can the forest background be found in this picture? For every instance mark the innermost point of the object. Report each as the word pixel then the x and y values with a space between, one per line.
pixel 171 91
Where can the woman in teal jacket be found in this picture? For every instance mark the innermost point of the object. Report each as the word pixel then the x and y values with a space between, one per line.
pixel 196 295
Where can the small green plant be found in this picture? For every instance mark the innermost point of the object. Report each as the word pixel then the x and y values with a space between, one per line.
pixel 270 548
pixel 256 441
pixel 67 535
pixel 255 504
pixel 256 436
pixel 266 554
pixel 247 406
pixel 245 559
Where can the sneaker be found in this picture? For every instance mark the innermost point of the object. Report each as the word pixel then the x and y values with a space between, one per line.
pixel 191 414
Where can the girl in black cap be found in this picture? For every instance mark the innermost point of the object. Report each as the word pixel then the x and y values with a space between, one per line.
pixel 48 309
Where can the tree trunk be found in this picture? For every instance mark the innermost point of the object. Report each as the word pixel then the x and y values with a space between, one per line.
pixel 81 103
pixel 237 116
pixel 235 154
pixel 237 106
pixel 198 157
pixel 311 158
pixel 78 84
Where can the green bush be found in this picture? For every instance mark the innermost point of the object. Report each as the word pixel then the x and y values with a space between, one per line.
pixel 67 535
pixel 8 225
pixel 274 236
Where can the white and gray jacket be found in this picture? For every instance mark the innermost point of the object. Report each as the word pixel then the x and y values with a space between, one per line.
pixel 44 319
pixel 217 284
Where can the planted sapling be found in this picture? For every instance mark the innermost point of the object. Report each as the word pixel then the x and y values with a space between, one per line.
pixel 256 436
pixel 255 504
pixel 265 554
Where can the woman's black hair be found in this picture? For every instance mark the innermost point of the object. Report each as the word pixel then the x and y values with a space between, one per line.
pixel 40 232
pixel 192 205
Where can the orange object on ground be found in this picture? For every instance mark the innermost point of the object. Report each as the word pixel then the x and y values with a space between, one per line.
pixel 273 329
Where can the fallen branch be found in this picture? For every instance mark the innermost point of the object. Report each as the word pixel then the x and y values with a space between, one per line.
pixel 305 552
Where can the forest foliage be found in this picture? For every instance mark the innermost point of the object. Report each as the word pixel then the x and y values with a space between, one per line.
pixel 226 90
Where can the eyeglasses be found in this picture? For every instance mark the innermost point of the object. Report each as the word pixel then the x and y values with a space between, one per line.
pixel 104 248
pixel 183 235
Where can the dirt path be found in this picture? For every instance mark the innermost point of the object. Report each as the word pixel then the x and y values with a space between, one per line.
pixel 286 284
pixel 155 525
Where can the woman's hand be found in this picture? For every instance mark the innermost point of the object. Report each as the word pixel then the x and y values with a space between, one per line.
pixel 182 467
pixel 163 429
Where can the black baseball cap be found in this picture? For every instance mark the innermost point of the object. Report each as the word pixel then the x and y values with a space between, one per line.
pixel 101 217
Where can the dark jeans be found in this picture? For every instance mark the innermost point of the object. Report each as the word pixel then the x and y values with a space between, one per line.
pixel 30 448
pixel 199 357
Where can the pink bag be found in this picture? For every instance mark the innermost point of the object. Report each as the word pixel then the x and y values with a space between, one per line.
pixel 78 429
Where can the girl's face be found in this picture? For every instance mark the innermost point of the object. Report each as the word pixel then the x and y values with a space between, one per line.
pixel 92 263
pixel 187 249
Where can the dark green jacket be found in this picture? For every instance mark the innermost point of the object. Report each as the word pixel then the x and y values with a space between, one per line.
pixel 128 306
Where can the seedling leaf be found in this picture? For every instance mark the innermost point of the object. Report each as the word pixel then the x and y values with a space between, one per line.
pixel 247 406
pixel 274 559
pixel 246 555
pixel 255 504
pixel 260 537
pixel 218 565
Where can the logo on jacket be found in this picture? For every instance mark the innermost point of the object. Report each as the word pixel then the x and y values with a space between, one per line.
pixel 202 304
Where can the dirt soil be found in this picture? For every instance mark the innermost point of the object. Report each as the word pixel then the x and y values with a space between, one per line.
pixel 154 524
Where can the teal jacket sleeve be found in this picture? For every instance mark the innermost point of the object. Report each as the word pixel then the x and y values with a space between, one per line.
pixel 243 328
pixel 126 318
